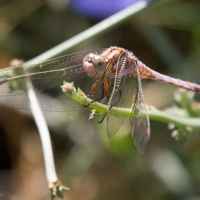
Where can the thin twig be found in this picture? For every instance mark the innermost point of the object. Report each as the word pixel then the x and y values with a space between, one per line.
pixel 96 30
pixel 153 113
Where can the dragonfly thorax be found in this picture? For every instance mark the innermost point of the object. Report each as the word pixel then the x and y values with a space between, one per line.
pixel 94 65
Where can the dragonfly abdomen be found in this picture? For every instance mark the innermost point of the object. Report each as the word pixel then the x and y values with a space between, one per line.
pixel 147 73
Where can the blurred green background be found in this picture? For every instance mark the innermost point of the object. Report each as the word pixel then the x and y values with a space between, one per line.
pixel 166 37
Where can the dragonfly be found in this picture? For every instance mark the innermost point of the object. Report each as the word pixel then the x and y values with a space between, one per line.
pixel 111 76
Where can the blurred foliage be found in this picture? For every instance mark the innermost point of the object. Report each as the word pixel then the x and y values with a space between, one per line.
pixel 166 37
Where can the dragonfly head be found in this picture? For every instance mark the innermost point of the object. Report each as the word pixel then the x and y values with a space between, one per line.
pixel 94 64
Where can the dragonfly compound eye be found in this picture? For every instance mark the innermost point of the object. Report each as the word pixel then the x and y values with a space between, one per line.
pixel 88 65
pixel 99 64
pixel 88 57
pixel 94 64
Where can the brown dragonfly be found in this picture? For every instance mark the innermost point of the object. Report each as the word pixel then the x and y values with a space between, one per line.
pixel 111 76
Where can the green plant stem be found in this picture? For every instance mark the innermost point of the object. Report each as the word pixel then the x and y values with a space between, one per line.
pixel 96 30
pixel 153 113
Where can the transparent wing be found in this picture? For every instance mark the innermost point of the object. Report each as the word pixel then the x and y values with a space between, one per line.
pixel 140 125
pixel 125 85
pixel 131 97
pixel 46 79
pixel 115 122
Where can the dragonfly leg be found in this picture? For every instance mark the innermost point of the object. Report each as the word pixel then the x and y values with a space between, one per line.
pixel 87 118
pixel 93 89
pixel 103 97
pixel 102 101
pixel 116 100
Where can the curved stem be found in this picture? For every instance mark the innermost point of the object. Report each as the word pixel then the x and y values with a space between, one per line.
pixel 96 30
pixel 153 113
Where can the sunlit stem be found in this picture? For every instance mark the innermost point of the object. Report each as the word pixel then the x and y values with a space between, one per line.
pixel 80 97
